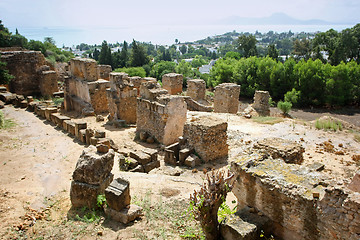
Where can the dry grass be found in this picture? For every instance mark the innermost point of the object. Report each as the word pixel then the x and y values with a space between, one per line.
pixel 268 120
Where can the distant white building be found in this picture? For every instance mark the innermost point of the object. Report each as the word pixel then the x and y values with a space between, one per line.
pixel 205 69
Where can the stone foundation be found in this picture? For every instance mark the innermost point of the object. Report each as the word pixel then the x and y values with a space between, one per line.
pixel 173 82
pixel 160 115
pixel 300 203
pixel 226 98
pixel 207 135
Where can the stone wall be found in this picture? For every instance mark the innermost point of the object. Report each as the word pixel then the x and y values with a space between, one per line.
pixel 31 72
pixel 301 203
pixel 207 135
pixel 196 89
pixel 104 72
pixel 261 103
pixel 98 97
pixel 122 98
pixel 160 115
pixel 172 82
pixel 226 98
pixel 84 69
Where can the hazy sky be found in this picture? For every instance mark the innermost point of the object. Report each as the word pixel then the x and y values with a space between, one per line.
pixel 43 13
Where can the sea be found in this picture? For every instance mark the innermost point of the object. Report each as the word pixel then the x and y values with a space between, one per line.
pixel 156 34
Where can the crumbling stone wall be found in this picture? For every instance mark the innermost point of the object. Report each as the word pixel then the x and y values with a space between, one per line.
pixel 159 114
pixel 226 98
pixel 122 98
pixel 261 103
pixel 104 72
pixel 83 91
pixel 208 136
pixel 301 203
pixel 196 89
pixel 137 81
pixel 31 72
pixel 172 82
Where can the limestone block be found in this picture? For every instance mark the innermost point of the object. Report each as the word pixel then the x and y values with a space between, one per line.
pixel 289 151
pixel 118 194
pixel 93 167
pixel 23 104
pixel 173 82
pixel 151 165
pixel 355 182
pixel 169 157
pixel 53 117
pixel 196 89
pixel 48 83
pixel 49 111
pixel 261 103
pixel 151 90
pixel 104 71
pixel 138 168
pixel 141 157
pixel 226 98
pixel 60 120
pixel 84 69
pixel 3 89
pixel 152 152
pixel 94 141
pixel 78 126
pixel 7 97
pixel 208 136
pixel 84 194
pixel 126 215
pixel 99 134
pixel 183 154
pixel 82 135
pixel 89 134
pixel 192 161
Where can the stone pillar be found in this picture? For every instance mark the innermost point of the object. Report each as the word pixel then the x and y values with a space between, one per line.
pixel 91 177
pixel 261 103
pixel 173 82
pixel 196 89
pixel 98 95
pixel 122 98
pixel 48 83
pixel 104 72
pixel 84 69
pixel 226 99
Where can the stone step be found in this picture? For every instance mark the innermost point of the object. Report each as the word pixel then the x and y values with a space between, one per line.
pixel 246 224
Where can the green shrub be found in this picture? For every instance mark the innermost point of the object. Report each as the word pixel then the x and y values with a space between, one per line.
pixel 2 119
pixel 285 107
pixel 133 71
pixel 292 96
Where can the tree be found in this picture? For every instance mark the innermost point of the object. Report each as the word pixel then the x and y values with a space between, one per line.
pixel 247 44
pixel 138 55
pixel 4 36
pixel 96 54
pixel 183 49
pixel 161 68
pixel 272 52
pixel 176 40
pixel 124 55
pixel 302 49
pixel 5 77
pixel 105 54
pixel 184 68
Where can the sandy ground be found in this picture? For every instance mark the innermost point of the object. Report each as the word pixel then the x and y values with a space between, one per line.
pixel 37 160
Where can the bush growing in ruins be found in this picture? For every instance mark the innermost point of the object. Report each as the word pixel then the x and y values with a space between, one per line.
pixel 205 202
pixel 132 71
pixel 285 107
pixel 5 77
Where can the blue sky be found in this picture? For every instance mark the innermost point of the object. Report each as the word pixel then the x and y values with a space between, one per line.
pixel 112 13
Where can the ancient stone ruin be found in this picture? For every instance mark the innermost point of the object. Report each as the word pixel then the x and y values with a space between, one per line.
pixel 91 177
pixel 196 89
pixel 84 91
pixel 173 83
pixel 32 73
pixel 261 103
pixel 159 114
pixel 226 98
pixel 122 98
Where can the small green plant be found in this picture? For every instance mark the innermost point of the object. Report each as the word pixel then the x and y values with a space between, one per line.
pixel 160 83
pixel 225 211
pixel 292 96
pixel 100 200
pixel 2 119
pixel 88 215
pixel 58 101
pixel 210 94
pixel 328 124
pixel 5 123
pixel 285 107
pixel 271 102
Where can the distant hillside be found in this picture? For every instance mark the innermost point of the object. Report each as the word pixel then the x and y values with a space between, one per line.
pixel 275 19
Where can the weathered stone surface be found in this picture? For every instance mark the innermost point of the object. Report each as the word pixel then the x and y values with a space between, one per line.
pixel 196 89
pixel 355 182
pixel 208 136
pixel 172 82
pixel 7 97
pixel 99 134
pixel 126 215
pixel 84 69
pixel 104 71
pixel 98 95
pixel 192 161
pixel 172 154
pixel 261 103
pixel 23 104
pixel 102 148
pixel 183 154
pixel 289 151
pixel 141 157
pixel 78 126
pixel 152 152
pixel 3 89
pixel 93 167
pixel 226 98
pixel 2 104
pixel 244 225
pixel 118 194
pixel 151 91
pixel 48 112
pixel 193 105
pixel 138 168
pixel 122 98
pixel 89 134
pixel 84 194
pixel 163 119
pixel 151 165
pixel 32 75
pixel 82 135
